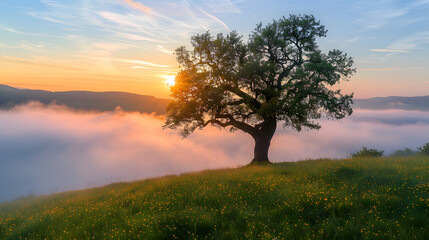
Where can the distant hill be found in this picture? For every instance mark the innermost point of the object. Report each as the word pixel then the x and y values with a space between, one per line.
pixel 108 101
pixel 84 100
pixel 394 102
pixel 366 198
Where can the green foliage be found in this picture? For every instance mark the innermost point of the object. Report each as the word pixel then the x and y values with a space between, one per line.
pixel 367 152
pixel 279 75
pixel 424 149
pixel 407 152
pixel 363 198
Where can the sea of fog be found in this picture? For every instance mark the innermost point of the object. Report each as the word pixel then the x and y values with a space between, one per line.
pixel 46 149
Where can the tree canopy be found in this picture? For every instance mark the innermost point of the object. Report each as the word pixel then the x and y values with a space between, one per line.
pixel 278 75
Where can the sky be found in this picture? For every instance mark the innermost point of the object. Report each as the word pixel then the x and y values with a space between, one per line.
pixel 62 149
pixel 127 45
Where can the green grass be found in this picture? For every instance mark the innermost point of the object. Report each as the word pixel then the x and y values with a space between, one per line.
pixel 372 198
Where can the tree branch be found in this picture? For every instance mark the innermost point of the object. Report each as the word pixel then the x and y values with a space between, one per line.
pixel 255 103
pixel 231 122
pixel 215 121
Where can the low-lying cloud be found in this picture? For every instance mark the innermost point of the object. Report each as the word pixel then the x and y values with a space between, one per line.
pixel 46 149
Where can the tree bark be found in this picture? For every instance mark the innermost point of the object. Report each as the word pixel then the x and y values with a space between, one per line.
pixel 262 146
pixel 263 141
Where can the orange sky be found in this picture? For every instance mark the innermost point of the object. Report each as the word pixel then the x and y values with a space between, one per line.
pixel 91 75
pixel 128 45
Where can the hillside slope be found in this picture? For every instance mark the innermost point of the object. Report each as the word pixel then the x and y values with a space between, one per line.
pixel 108 101
pixel 324 199
pixel 84 100
pixel 420 103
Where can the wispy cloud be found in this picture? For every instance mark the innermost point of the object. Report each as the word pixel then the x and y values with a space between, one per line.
pixel 139 67
pixel 145 63
pixel 411 42
pixel 222 6
pixel 388 50
pixel 136 37
pixel 376 14
pixel 138 6
pixel 400 46
pixel 406 22
pixel 99 31
pixel 162 49
pixel 12 30
pixel 70 14
pixel 29 46
pixel 146 30
pixel 118 18
pixel 216 19
pixel 38 62
pixel 109 46
pixel 378 69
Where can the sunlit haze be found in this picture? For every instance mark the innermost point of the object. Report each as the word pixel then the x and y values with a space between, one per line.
pixel 128 45
pixel 61 149
pixel 170 80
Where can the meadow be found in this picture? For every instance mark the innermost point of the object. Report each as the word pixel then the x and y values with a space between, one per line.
pixel 363 198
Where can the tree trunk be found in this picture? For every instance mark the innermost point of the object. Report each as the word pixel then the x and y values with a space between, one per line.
pixel 261 150
pixel 263 140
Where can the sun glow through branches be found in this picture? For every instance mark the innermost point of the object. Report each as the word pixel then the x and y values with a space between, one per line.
pixel 170 80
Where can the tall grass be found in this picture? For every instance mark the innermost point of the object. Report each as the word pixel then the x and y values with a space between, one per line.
pixel 367 198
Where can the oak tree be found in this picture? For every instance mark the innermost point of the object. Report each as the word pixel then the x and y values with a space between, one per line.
pixel 278 75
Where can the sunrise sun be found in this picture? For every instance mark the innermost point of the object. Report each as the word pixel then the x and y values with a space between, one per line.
pixel 170 80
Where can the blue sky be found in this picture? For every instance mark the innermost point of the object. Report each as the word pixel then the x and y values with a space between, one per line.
pixel 126 45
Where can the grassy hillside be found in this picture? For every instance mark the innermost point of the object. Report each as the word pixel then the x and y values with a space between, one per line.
pixel 323 199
